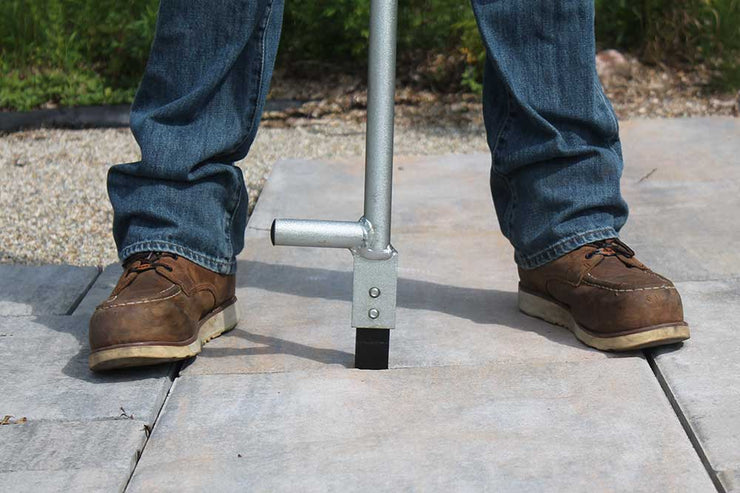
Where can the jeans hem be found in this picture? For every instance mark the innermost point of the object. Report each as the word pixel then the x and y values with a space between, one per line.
pixel 563 246
pixel 221 266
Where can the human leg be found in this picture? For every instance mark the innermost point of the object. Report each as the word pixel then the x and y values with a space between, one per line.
pixel 180 212
pixel 553 135
pixel 557 163
pixel 196 112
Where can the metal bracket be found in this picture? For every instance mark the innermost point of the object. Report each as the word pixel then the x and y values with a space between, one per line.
pixel 374 291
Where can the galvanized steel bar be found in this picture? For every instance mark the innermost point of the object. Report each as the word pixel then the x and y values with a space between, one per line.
pixel 309 233
pixel 380 111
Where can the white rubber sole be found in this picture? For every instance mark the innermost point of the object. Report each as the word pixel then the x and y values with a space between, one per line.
pixel 128 356
pixel 548 311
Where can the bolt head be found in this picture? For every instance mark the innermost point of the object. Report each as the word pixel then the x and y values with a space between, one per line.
pixel 374 292
pixel 373 313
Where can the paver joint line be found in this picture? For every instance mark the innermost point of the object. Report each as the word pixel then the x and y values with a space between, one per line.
pixel 82 295
pixel 695 442
pixel 149 430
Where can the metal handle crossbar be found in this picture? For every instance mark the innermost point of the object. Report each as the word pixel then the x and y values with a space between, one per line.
pixel 375 260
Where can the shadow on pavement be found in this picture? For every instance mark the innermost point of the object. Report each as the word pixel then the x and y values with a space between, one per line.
pixel 481 306
pixel 274 345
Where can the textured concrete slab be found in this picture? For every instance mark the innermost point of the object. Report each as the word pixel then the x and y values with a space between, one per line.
pixel 43 363
pixel 69 456
pixel 704 376
pixel 688 243
pixel 478 397
pixel 100 290
pixel 581 426
pixel 682 181
pixel 456 305
pixel 42 290
pixel 308 180
pixel 456 291
pixel 457 280
pixel 681 149
pixel 432 193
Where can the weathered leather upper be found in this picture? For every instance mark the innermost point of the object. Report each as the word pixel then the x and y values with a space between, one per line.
pixel 160 298
pixel 606 289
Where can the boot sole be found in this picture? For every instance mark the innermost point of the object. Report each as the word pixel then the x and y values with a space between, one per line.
pixel 211 327
pixel 536 306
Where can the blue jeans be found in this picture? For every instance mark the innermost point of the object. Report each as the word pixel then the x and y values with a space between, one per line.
pixel 553 134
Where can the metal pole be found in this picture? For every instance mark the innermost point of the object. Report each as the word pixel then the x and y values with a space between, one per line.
pixel 375 260
pixel 381 83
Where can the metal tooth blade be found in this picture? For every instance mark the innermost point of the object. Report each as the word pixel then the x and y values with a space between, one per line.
pixel 371 349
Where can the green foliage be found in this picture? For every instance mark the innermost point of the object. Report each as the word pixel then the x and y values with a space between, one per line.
pixel 26 91
pixel 675 31
pixel 73 52
pixel 94 51
pixel 337 30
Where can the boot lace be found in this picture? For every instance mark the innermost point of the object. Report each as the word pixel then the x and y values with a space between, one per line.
pixel 610 248
pixel 150 261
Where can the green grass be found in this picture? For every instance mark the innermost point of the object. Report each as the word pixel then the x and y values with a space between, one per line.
pixel 72 52
pixel 25 90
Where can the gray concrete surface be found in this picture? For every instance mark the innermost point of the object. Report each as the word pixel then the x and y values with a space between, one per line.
pixel 441 193
pixel 64 456
pixel 43 361
pixel 478 396
pixel 576 426
pixel 100 290
pixel 455 307
pixel 704 376
pixel 70 429
pixel 42 290
pixel 682 181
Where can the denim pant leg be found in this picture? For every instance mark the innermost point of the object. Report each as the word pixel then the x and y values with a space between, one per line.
pixel 196 112
pixel 553 135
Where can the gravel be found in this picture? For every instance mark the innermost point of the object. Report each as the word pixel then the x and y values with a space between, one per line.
pixel 54 206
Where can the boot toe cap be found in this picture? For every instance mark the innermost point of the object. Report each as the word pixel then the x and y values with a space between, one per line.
pixel 146 323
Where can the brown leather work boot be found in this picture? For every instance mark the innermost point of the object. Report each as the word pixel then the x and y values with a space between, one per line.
pixel 164 308
pixel 606 297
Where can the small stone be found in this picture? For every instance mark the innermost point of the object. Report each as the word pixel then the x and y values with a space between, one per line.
pixel 611 62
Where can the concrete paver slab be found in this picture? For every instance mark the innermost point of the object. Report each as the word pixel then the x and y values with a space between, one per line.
pixel 455 308
pixel 307 179
pixel 682 181
pixel 704 376
pixel 439 193
pixel 686 244
pixel 42 290
pixel 100 290
pixel 581 426
pixel 43 361
pixel 681 149
pixel 456 305
pixel 69 456
pixel 479 396
pixel 296 301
